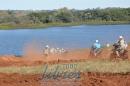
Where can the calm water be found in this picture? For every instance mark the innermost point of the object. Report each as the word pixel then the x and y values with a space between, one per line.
pixel 13 41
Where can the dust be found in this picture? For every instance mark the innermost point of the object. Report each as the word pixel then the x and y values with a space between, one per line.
pixel 32 51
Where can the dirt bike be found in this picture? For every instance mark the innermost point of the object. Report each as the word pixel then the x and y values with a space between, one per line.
pixel 94 51
pixel 123 54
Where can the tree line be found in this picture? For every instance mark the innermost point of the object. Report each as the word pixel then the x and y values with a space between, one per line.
pixel 63 15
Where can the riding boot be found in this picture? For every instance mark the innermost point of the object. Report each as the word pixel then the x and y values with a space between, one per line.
pixel 117 53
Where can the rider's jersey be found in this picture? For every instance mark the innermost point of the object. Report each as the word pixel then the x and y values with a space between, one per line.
pixel 123 44
pixel 97 45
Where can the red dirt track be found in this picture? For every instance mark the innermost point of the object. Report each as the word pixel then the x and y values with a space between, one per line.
pixel 87 79
pixel 38 59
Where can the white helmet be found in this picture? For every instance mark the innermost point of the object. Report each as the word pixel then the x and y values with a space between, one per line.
pixel 120 37
pixel 47 46
pixel 97 41
pixel 57 48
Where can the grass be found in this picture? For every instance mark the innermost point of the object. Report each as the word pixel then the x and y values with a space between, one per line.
pixel 102 66
pixel 35 26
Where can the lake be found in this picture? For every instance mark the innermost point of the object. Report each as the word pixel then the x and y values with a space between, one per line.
pixel 14 41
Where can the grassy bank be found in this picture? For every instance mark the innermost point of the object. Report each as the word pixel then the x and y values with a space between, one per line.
pixel 103 66
pixel 35 26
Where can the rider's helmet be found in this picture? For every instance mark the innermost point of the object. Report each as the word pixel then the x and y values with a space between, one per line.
pixel 97 41
pixel 120 37
pixel 57 48
pixel 47 46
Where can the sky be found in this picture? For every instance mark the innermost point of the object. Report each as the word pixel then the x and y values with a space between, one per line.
pixel 56 4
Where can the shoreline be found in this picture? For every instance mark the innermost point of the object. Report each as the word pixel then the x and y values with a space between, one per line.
pixel 47 25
